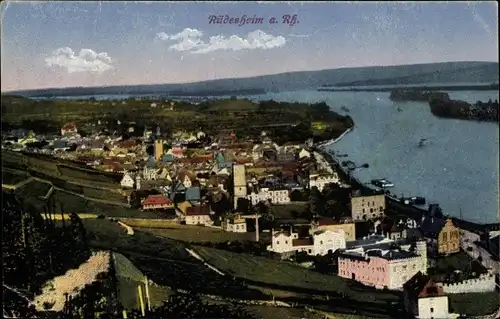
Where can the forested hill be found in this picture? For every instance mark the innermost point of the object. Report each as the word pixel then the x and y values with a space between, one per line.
pixel 449 72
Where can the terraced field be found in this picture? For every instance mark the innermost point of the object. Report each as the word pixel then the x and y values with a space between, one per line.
pixel 34 188
pixel 199 234
pixel 11 178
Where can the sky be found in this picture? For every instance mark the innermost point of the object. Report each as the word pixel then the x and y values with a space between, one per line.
pixel 68 44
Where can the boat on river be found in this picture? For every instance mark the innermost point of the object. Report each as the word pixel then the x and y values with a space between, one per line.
pixel 382 183
pixel 415 200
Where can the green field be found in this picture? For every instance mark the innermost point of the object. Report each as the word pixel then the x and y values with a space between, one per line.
pixel 12 178
pixel 199 234
pixel 34 188
pixel 287 211
pixel 475 304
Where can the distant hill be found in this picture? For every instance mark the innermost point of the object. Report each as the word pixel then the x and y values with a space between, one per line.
pixel 449 72
pixel 476 74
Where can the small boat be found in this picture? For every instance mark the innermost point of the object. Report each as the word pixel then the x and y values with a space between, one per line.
pixel 423 142
pixel 415 200
pixel 399 109
pixel 382 183
pixel 345 109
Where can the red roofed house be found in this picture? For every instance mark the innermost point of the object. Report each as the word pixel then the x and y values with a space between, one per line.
pixel 156 202
pixel 197 215
pixel 424 298
pixel 68 128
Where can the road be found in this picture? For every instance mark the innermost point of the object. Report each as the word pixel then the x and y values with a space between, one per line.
pixel 468 239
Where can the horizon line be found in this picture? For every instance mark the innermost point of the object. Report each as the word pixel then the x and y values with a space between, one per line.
pixel 242 78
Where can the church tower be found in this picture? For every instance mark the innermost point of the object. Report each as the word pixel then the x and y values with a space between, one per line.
pixel 240 183
pixel 158 148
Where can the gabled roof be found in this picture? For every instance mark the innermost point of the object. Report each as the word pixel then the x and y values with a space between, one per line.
pixel 421 286
pixel 156 200
pixel 151 162
pixel 201 210
pixel 69 127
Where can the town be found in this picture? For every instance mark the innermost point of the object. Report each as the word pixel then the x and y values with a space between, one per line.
pixel 291 199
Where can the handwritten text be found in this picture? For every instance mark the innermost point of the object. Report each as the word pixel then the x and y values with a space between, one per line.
pixel 245 19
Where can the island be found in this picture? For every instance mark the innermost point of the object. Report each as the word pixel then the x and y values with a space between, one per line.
pixel 417 95
pixel 480 111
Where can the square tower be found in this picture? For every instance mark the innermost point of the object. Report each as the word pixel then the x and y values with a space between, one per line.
pixel 240 183
pixel 158 149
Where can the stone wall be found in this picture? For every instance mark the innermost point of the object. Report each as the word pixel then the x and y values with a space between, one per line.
pixel 485 283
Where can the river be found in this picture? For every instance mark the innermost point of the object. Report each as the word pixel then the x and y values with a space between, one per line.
pixel 458 168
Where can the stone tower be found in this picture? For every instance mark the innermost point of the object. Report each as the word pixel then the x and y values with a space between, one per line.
pixel 421 249
pixel 138 182
pixel 240 183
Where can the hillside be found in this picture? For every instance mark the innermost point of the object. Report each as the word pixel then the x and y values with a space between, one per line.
pixel 449 72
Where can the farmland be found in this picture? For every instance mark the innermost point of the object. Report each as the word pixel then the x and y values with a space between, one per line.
pixel 198 234
pixel 475 304
pixel 13 178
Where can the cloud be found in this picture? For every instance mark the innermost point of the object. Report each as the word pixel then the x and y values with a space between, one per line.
pixel 86 61
pixel 190 40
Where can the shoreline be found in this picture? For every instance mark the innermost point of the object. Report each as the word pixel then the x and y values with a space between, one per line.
pixel 393 201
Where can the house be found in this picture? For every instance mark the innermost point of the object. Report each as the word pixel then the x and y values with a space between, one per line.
pixel 443 236
pixel 127 181
pixel 320 181
pixel 198 215
pixel 193 194
pixel 150 171
pixel 274 195
pixel 235 224
pixel 347 225
pixel 304 154
pixel 68 128
pixel 186 179
pixel 168 157
pixel 182 208
pixel 383 268
pixel 156 202
pixel 177 151
pixel 320 243
pixel 367 207
pixel 424 298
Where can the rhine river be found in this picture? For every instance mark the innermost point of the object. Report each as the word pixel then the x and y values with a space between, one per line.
pixel 457 168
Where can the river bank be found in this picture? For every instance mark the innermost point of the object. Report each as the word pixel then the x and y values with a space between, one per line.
pixel 392 202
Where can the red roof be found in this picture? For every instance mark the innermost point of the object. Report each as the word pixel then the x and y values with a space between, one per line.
pixel 156 200
pixel 69 127
pixel 198 210
pixel 127 144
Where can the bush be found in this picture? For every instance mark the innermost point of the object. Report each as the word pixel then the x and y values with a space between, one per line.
pixel 101 216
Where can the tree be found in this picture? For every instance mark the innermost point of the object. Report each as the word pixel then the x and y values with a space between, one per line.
pixel 316 203
pixel 243 205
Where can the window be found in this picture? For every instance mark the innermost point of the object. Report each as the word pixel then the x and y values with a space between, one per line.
pixel 445 236
pixel 277 243
pixel 321 242
pixel 286 241
pixel 309 251
pixel 432 309
pixel 381 208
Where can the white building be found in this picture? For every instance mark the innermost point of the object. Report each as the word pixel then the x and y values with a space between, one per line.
pixel 304 154
pixel 127 181
pixel 321 180
pixel 276 196
pixel 235 224
pixel 424 298
pixel 321 243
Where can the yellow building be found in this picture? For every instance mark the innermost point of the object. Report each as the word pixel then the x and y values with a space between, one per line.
pixel 158 149
pixel 347 226
pixel 449 238
pixel 367 207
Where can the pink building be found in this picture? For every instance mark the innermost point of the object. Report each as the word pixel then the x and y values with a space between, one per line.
pixel 383 268
pixel 368 270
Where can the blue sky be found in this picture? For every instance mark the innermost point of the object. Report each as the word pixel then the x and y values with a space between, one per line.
pixel 64 44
